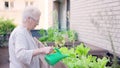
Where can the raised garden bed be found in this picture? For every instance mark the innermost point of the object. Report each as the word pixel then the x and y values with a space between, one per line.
pixel 97 51
pixel 4 57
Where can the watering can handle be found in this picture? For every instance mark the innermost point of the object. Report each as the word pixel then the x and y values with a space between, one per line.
pixel 57 50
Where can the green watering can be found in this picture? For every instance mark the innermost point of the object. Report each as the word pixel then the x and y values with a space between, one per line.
pixel 53 58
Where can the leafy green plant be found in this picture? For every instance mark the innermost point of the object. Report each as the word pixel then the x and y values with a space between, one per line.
pixel 53 35
pixel 43 33
pixel 6 26
pixel 49 36
pixel 72 36
pixel 59 39
pixel 82 50
pixel 79 58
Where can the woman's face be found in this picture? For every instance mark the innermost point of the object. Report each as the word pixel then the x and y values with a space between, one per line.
pixel 33 22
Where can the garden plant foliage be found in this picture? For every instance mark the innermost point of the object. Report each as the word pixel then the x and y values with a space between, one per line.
pixel 6 26
pixel 79 58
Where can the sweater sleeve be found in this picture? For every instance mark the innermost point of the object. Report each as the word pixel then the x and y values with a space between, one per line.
pixel 21 51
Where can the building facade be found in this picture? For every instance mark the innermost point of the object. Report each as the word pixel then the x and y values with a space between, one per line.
pixel 53 11
pixel 59 13
pixel 12 9
pixel 95 21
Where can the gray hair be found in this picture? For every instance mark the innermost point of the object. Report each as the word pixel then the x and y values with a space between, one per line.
pixel 30 12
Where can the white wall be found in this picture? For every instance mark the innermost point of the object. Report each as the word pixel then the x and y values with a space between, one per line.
pixel 92 19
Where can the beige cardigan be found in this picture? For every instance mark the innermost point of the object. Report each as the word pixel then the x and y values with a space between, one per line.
pixel 21 46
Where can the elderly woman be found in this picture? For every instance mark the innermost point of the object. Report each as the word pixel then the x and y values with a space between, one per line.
pixel 23 49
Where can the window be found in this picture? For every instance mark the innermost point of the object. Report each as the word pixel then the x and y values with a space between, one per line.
pixel 6 4
pixel 11 4
pixel 26 3
pixel 31 3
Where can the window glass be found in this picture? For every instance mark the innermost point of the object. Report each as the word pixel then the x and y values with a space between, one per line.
pixel 31 3
pixel 12 4
pixel 6 4
pixel 26 3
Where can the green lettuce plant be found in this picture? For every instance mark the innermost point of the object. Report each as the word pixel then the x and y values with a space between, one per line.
pixel 79 58
pixel 53 35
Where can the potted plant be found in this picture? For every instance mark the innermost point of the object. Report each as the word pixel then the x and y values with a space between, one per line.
pixel 6 26
pixel 52 36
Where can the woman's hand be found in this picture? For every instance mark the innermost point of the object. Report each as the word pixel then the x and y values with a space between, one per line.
pixel 43 50
pixel 46 50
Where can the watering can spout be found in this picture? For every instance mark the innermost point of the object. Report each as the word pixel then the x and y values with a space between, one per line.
pixel 52 59
pixel 64 56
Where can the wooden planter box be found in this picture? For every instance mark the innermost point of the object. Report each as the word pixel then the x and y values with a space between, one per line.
pixel 4 57
pixel 70 44
pixel 97 51
pixel 4 40
pixel 67 44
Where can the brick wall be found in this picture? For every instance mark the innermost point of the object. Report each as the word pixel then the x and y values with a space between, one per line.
pixel 94 20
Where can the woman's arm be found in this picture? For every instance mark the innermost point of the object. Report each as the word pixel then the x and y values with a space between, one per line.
pixel 40 44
